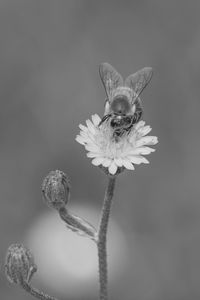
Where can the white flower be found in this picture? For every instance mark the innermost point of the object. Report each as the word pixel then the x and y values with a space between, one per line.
pixel 106 152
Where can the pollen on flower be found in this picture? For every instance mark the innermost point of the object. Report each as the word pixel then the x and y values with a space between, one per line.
pixel 114 155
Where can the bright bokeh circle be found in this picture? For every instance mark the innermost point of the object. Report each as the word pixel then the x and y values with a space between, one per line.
pixel 67 263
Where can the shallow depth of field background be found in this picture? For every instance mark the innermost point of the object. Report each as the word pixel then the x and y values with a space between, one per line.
pixel 49 83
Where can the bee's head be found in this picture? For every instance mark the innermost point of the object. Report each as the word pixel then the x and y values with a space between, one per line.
pixel 120 105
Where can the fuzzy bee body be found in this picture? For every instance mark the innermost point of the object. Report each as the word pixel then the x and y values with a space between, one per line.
pixel 123 106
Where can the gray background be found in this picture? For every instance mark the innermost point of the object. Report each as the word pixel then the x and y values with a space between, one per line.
pixel 49 83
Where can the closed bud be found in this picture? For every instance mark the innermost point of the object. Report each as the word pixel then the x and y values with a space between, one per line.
pixel 56 189
pixel 19 264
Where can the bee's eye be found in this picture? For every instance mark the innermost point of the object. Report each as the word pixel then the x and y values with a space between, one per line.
pixel 120 105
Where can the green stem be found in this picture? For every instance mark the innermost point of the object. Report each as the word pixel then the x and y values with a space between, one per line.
pixel 35 292
pixel 102 234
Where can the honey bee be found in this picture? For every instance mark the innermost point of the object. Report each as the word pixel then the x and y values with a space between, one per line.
pixel 123 106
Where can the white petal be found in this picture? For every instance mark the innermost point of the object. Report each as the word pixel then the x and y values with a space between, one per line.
pixel 97 161
pixel 118 162
pixel 91 143
pixel 154 140
pixel 92 148
pixel 135 151
pixel 84 134
pixel 82 127
pixel 141 150
pixel 145 130
pixel 137 159
pixel 91 137
pixel 94 154
pixel 90 126
pixel 146 150
pixel 107 162
pixel 145 161
pixel 96 119
pixel 139 125
pixel 112 168
pixel 80 139
pixel 127 164
pixel 147 140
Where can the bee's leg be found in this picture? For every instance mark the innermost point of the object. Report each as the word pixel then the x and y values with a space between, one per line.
pixel 117 134
pixel 104 119
pixel 138 112
pixel 137 116
pixel 135 119
pixel 128 129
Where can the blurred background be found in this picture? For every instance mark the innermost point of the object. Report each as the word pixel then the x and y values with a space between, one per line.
pixel 49 83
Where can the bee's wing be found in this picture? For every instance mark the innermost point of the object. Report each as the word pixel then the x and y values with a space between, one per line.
pixel 139 80
pixel 110 77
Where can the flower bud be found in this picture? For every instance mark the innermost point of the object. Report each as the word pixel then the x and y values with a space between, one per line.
pixel 19 264
pixel 56 189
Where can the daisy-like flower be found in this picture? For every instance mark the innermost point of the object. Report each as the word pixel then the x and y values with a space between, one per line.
pixel 116 155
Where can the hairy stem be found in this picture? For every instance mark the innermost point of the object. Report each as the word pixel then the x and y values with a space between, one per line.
pixel 35 292
pixel 78 224
pixel 102 234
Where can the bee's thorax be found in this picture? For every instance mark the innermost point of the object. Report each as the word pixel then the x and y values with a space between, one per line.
pixel 120 105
